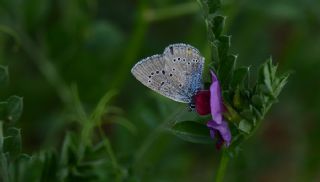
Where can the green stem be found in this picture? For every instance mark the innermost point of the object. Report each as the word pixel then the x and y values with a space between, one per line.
pixel 222 166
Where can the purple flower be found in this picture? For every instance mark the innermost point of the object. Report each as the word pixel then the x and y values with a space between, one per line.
pixel 218 126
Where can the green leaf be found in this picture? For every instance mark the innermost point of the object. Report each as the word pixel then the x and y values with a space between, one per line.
pixel 258 114
pixel 226 70
pixel 245 126
pixel 267 77
pixel 223 46
pixel 247 114
pixel 280 83
pixel 4 76
pixel 264 89
pixel 231 115
pixel 257 100
pixel 12 142
pixel 214 55
pixel 217 25
pixel 192 132
pixel 213 5
pixel 239 75
pixel 14 108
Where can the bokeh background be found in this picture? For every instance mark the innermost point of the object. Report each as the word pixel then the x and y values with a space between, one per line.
pixel 51 46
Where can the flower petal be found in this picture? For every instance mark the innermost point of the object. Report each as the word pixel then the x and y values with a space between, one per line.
pixel 223 130
pixel 202 102
pixel 213 133
pixel 216 99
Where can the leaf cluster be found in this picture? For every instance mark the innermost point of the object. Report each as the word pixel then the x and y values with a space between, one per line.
pixel 84 155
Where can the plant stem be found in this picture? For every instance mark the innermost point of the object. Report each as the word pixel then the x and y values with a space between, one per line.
pixel 222 166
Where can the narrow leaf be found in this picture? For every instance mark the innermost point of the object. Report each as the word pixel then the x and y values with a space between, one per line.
pixel 281 82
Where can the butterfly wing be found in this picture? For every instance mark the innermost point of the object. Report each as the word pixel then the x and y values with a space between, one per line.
pixel 186 65
pixel 175 74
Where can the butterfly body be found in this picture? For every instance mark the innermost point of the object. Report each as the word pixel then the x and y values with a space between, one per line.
pixel 176 74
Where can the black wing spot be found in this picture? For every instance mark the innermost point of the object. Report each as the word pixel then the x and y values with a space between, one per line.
pixel 149 76
pixel 171 50
pixel 157 72
pixel 178 59
pixel 170 74
pixel 173 69
pixel 196 60
pixel 149 81
pixel 188 62
pixel 184 59
pixel 162 83
pixel 174 60
pixel 180 85
pixel 163 72
pixel 152 73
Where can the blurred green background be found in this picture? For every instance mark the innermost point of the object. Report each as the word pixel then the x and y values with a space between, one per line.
pixel 54 44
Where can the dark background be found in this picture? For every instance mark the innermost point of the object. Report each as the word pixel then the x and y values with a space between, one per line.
pixel 54 44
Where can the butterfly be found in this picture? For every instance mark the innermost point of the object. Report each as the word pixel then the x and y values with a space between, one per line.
pixel 175 74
